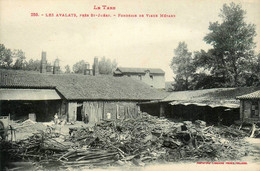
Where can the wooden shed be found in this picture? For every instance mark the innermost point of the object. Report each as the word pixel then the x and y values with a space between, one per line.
pixel 249 107
pixel 76 97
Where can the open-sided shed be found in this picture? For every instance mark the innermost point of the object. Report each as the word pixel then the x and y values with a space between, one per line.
pixel 218 105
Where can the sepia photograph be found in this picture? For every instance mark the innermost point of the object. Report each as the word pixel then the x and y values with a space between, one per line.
pixel 128 85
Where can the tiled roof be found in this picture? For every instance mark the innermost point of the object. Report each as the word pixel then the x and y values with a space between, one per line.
pixel 254 95
pixel 82 87
pixel 140 70
pixel 12 78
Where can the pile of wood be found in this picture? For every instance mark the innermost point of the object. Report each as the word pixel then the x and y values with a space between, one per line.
pixel 147 138
pixel 27 126
pixel 138 141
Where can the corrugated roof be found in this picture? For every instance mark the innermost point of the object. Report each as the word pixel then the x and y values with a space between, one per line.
pixel 140 70
pixel 28 94
pixel 254 95
pixel 83 87
pixel 215 97
pixel 228 104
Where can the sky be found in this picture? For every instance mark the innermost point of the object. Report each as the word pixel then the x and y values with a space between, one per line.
pixel 133 42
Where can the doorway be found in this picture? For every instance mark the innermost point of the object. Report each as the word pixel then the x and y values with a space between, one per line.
pixel 79 112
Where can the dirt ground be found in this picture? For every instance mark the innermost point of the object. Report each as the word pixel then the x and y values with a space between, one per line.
pixel 247 163
pixel 250 162
pixel 185 167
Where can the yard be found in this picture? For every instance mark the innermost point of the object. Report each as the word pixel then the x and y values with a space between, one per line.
pixel 143 143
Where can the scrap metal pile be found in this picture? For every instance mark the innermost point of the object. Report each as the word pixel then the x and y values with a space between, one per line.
pixel 137 141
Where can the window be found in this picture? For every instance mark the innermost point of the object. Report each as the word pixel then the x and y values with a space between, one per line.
pixel 255 109
pixel 151 76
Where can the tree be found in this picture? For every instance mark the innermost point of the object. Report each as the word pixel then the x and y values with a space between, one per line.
pixel 107 67
pixel 209 71
pixel 33 65
pixel 257 67
pixel 67 69
pixel 252 76
pixel 232 41
pixel 182 66
pixel 5 57
pixel 207 62
pixel 79 67
pixel 20 62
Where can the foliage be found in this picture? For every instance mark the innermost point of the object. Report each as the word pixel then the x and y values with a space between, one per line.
pixel 233 44
pixel 251 75
pixel 79 67
pixel 16 59
pixel 67 69
pixel 231 60
pixel 5 57
pixel 20 62
pixel 182 66
pixel 107 67
pixel 205 81
pixel 33 65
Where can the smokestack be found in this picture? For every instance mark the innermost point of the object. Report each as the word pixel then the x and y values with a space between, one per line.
pixel 95 67
pixel 86 69
pixel 56 67
pixel 43 63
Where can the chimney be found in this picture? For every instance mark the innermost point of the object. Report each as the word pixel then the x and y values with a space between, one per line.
pixel 86 69
pixel 87 65
pixel 95 67
pixel 56 67
pixel 43 63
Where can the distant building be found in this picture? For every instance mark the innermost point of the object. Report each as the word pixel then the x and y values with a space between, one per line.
pixel 46 68
pixel 154 77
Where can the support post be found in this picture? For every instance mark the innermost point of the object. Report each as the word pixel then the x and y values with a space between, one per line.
pixel 241 110
pixel 162 110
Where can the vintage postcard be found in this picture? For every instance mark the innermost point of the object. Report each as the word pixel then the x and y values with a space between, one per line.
pixel 130 85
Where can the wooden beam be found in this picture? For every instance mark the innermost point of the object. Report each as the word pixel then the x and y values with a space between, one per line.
pixel 241 110
pixel 162 110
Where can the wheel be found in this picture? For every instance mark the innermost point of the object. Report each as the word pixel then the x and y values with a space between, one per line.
pixel 3 131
